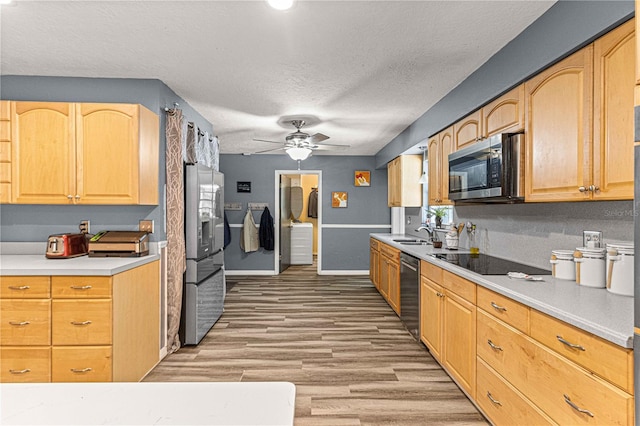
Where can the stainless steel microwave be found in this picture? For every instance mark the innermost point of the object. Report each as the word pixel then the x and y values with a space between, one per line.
pixel 489 171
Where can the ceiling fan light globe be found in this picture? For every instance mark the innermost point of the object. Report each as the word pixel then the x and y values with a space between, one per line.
pixel 280 4
pixel 298 153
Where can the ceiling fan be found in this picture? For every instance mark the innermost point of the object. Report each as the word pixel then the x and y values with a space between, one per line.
pixel 299 144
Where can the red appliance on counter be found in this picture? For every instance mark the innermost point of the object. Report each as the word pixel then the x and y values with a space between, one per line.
pixel 64 246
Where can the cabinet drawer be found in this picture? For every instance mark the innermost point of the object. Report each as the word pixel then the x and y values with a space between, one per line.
pixel 5 151
pixel 25 322
pixel 509 311
pixel 609 361
pixel 25 365
pixel 503 403
pixel 5 131
pixel 25 287
pixel 431 271
pixel 463 288
pixel 5 172
pixel 390 252
pixel 83 364
pixel 548 380
pixel 81 322
pixel 374 244
pixel 5 192
pixel 80 287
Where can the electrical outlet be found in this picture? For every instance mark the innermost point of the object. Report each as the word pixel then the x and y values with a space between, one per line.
pixel 84 227
pixel 145 226
pixel 592 239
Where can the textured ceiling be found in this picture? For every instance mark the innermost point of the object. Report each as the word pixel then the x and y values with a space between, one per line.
pixel 362 71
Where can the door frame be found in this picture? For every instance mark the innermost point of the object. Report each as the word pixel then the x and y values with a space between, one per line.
pixel 276 246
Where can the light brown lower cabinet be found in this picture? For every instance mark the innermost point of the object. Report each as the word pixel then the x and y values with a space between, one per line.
pixel 389 276
pixel 512 362
pixel 80 329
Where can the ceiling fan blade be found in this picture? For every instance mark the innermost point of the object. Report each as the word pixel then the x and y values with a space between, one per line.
pixel 318 137
pixel 262 140
pixel 329 146
pixel 269 150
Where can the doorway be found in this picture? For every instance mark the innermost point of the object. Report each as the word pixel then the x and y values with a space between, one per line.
pixel 303 181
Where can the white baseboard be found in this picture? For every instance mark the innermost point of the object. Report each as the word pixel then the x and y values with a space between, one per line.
pixel 249 272
pixel 344 272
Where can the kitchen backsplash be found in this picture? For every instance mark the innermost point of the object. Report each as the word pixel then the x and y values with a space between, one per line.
pixel 528 232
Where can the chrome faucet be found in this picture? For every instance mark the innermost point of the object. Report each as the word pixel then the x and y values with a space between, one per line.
pixel 426 228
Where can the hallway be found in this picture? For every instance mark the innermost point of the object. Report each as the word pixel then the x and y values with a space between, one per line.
pixel 336 339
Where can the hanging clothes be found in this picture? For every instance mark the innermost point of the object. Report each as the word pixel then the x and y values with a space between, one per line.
pixel 312 209
pixel 249 239
pixel 266 230
pixel 227 231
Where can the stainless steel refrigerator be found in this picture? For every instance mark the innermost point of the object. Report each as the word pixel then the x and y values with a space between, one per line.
pixel 204 283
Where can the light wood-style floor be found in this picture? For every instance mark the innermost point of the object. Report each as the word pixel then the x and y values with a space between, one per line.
pixel 337 340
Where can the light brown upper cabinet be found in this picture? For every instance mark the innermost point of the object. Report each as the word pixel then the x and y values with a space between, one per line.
pixel 84 153
pixel 558 130
pixel 468 130
pixel 637 52
pixel 5 152
pixel 505 114
pixel 579 124
pixel 502 115
pixel 403 173
pixel 613 124
pixel 439 147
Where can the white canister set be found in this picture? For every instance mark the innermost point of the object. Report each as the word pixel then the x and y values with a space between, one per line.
pixel 610 267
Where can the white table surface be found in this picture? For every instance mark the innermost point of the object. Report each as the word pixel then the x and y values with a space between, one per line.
pixel 167 403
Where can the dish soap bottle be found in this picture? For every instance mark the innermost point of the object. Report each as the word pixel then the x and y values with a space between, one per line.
pixel 473 244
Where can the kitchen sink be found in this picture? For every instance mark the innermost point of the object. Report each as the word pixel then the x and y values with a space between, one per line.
pixel 415 243
pixel 405 240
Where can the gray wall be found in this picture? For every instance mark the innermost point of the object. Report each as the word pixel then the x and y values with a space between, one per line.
pixel 342 248
pixel 565 27
pixel 528 232
pixel 37 222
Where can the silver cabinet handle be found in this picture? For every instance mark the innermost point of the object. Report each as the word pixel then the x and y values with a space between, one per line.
pixel 77 197
pixel 70 197
pixel 439 294
pixel 495 401
pixel 575 407
pixel 594 188
pixel 80 287
pixel 22 287
pixel 19 323
pixel 498 307
pixel 493 345
pixel 571 345
pixel 80 323
pixel 81 370
pixel 25 371
pixel 583 189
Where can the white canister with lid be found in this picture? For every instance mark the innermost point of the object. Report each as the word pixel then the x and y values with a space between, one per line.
pixel 590 266
pixel 620 269
pixel 562 265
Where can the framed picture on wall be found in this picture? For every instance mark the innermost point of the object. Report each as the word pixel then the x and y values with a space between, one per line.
pixel 339 199
pixel 362 178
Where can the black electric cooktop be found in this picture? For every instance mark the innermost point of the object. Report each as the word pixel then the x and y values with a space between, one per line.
pixel 488 265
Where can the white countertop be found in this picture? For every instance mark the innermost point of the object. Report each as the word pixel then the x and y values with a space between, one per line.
pixel 31 264
pixel 170 403
pixel 595 310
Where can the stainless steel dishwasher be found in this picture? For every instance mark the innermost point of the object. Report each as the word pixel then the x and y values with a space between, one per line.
pixel 410 293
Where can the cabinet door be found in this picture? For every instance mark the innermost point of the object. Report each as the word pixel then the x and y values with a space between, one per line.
pixel 505 114
pixel 468 130
pixel 81 364
pixel 393 182
pixel 446 145
pixel 374 260
pixel 558 127
pixel 431 296
pixel 43 157
pixel 459 325
pixel 433 155
pixel 394 286
pixel 25 364
pixel 5 152
pixel 384 277
pixel 613 124
pixel 108 153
